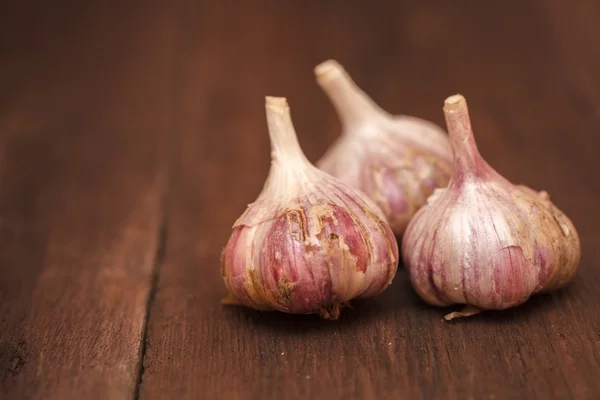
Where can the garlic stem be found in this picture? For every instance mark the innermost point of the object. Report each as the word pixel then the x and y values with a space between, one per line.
pixel 285 147
pixel 352 103
pixel 467 160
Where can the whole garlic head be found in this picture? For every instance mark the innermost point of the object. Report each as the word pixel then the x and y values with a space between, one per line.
pixel 396 160
pixel 483 241
pixel 309 243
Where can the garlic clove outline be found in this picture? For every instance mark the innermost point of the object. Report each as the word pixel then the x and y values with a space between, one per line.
pixel 309 243
pixel 396 160
pixel 483 241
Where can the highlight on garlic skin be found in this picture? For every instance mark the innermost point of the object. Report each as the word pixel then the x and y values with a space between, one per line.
pixel 396 160
pixel 483 241
pixel 309 243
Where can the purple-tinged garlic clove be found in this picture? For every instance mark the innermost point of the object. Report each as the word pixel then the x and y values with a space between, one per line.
pixel 396 160
pixel 309 243
pixel 483 241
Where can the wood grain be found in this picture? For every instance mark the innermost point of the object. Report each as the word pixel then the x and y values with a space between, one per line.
pixel 83 112
pixel 409 56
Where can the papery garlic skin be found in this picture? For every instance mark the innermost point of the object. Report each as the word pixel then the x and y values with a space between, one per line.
pixel 309 243
pixel 396 160
pixel 483 241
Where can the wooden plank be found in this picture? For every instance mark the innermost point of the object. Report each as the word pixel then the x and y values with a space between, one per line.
pixel 84 109
pixel 409 57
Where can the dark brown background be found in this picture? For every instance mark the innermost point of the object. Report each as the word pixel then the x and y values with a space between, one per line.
pixel 132 134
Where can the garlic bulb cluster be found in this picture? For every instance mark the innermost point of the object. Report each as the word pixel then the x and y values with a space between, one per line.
pixel 483 241
pixel 309 243
pixel 396 160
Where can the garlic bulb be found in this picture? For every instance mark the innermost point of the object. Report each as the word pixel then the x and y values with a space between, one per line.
pixel 396 160
pixel 482 241
pixel 309 243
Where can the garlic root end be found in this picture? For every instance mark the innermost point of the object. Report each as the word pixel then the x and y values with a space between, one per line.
pixel 331 311
pixel 467 311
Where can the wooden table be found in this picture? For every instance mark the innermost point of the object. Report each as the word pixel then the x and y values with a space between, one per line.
pixel 133 134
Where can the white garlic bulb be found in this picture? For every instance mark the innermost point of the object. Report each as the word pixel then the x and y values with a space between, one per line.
pixel 396 160
pixel 309 243
pixel 483 241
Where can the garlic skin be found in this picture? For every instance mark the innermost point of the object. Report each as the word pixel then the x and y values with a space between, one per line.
pixel 483 241
pixel 309 243
pixel 396 160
